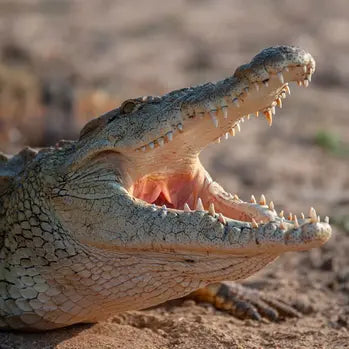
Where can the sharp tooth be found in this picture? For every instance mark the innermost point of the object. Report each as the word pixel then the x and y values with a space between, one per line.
pixel 295 219
pixel 226 136
pixel 287 88
pixel 153 207
pixel 305 68
pixel 248 116
pixel 218 140
pixel 254 223
pixel 186 208
pixel 268 115
pixel 256 85
pixel 242 119
pixel 281 77
pixel 302 215
pixel 312 215
pixel 199 205
pixel 290 216
pixel 238 127
pixel 273 110
pixel 282 226
pixel 180 127
pixel 214 118
pixel 266 83
pixel 164 210
pixel 221 219
pixel 151 145
pixel 271 206
pixel 257 114
pixel 281 214
pixel 143 148
pixel 299 83
pixel 232 132
pixel 286 69
pixel 161 141
pixel 236 102
pixel 236 197
pixel 327 219
pixel 253 199
pixel 279 102
pixel 225 112
pixel 309 77
pixel 283 95
pixel 246 89
pixel 262 200
pixel 169 136
pixel 211 210
pixel 306 83
pixel 318 219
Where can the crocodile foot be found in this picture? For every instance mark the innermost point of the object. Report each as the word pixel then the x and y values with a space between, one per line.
pixel 244 302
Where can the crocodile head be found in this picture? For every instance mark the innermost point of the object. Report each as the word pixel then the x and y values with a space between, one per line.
pixel 156 141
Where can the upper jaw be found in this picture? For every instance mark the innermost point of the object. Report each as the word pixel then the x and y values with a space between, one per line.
pixel 213 110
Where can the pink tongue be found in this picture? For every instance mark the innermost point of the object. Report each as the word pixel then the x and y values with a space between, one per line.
pixel 148 191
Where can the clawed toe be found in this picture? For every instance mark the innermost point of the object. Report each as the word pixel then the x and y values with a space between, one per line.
pixel 245 303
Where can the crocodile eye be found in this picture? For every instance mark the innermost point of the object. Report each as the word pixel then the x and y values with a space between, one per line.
pixel 129 106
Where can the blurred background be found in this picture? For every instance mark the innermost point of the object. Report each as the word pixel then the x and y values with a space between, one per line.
pixel 63 62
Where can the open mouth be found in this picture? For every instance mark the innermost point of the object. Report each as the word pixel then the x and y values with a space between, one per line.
pixel 190 188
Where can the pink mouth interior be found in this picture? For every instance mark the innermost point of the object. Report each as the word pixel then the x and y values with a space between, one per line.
pixel 177 189
pixel 170 190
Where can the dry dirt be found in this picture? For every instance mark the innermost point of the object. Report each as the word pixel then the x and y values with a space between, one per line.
pixel 127 48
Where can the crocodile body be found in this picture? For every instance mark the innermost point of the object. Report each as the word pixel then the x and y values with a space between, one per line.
pixel 126 217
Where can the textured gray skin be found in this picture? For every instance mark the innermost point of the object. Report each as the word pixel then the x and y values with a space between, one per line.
pixel 76 246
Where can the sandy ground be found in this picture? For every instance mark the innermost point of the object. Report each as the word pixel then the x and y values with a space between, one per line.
pixel 126 49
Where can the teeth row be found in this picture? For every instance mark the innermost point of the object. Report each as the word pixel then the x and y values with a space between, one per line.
pixel 314 218
pixel 236 100
pixel 160 142
pixel 293 219
pixel 268 114
pixel 270 111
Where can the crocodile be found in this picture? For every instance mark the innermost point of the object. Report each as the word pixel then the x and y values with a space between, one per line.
pixel 126 217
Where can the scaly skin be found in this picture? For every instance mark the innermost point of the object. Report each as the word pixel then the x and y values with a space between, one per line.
pixel 103 224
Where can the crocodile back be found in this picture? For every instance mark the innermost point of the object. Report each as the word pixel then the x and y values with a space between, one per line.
pixel 10 167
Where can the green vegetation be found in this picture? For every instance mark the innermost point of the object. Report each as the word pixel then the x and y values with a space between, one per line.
pixel 332 143
pixel 342 222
